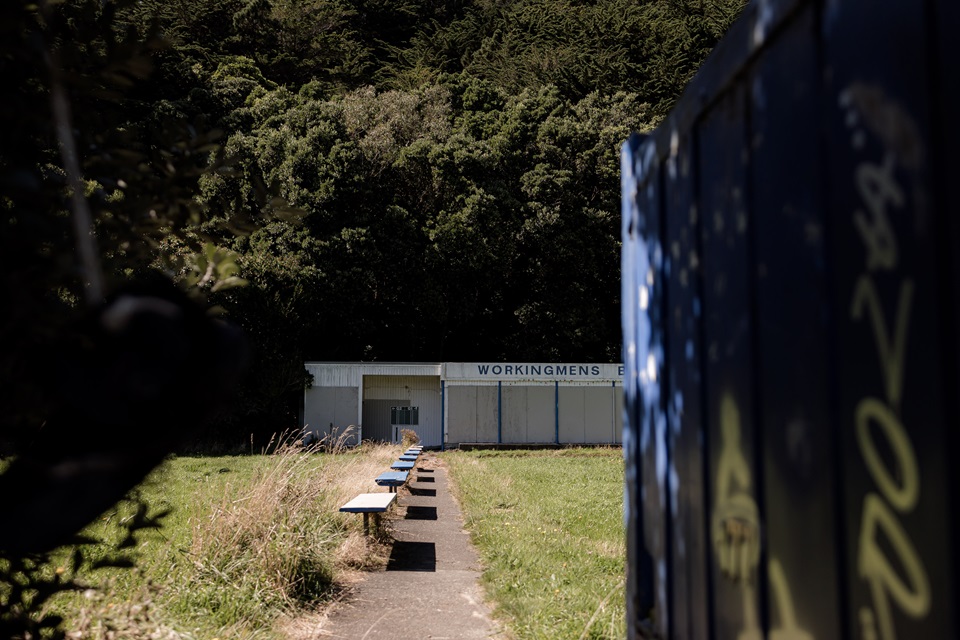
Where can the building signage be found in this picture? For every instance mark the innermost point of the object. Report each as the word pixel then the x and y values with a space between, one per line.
pixel 533 371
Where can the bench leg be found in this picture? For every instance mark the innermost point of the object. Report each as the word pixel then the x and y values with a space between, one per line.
pixel 366 523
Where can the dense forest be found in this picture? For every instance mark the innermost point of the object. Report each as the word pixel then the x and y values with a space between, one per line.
pixel 395 180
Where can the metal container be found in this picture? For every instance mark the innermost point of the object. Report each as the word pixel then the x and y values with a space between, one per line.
pixel 791 284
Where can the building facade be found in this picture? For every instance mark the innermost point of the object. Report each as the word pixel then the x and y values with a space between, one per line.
pixel 453 403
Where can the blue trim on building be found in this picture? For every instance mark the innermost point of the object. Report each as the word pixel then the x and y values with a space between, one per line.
pixel 556 410
pixel 499 411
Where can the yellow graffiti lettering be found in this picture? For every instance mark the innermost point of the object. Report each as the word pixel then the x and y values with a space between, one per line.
pixel 912 596
pixel 736 534
pixel 903 495
pixel 751 621
pixel 868 626
pixel 877 187
pixel 788 629
pixel 902 580
pixel 891 353
pixel 735 521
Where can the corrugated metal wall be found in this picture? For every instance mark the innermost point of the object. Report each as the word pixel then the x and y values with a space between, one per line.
pixel 529 413
pixel 482 403
pixel 592 415
pixel 333 374
pixel 329 410
pixel 511 412
pixel 471 413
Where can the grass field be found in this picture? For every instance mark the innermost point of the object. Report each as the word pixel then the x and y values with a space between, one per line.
pixel 549 528
pixel 248 540
pixel 252 542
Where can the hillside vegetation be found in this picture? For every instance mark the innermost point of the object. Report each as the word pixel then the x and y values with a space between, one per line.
pixel 417 180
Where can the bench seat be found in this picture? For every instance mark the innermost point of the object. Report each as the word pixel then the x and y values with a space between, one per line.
pixel 392 479
pixel 367 503
pixel 403 465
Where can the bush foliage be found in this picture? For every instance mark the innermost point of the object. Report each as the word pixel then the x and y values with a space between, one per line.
pixel 413 180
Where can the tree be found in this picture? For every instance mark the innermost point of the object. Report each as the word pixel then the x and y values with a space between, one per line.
pixel 93 178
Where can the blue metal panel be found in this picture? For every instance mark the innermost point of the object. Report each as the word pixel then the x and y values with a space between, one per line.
pixel 793 304
pixel 732 477
pixel 653 425
pixel 684 389
pixel 891 395
pixel 638 403
pixel 946 103
pixel 810 343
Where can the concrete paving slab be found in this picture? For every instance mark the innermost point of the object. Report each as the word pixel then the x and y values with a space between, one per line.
pixel 429 589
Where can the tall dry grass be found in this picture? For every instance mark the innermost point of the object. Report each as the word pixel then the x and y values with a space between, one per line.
pixel 278 540
pixel 251 541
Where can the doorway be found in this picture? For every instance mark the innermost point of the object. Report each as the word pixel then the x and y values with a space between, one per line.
pixel 377 419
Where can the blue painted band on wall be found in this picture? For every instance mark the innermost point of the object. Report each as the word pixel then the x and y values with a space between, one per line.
pixel 499 412
pixel 556 410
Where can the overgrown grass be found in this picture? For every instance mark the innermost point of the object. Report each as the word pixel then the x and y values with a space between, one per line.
pixel 248 540
pixel 252 541
pixel 549 528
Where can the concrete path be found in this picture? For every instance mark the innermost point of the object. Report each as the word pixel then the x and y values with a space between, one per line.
pixel 429 588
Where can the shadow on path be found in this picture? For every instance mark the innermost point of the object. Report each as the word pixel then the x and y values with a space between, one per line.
pixel 429 587
pixel 413 556
pixel 421 513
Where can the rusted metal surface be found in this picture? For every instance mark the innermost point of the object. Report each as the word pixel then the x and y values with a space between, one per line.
pixel 791 295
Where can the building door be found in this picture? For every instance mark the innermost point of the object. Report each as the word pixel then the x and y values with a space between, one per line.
pixel 376 419
pixel 403 417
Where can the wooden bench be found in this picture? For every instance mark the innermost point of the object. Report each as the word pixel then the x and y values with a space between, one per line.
pixel 367 503
pixel 403 465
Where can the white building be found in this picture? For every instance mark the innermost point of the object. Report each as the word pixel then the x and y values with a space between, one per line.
pixel 452 403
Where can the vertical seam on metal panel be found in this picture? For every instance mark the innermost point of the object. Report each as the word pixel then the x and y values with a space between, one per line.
pixel 833 390
pixel 556 409
pixel 499 411
pixel 947 309
pixel 759 441
pixel 613 415
pixel 664 377
pixel 359 410
pixel 443 423
pixel 704 413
